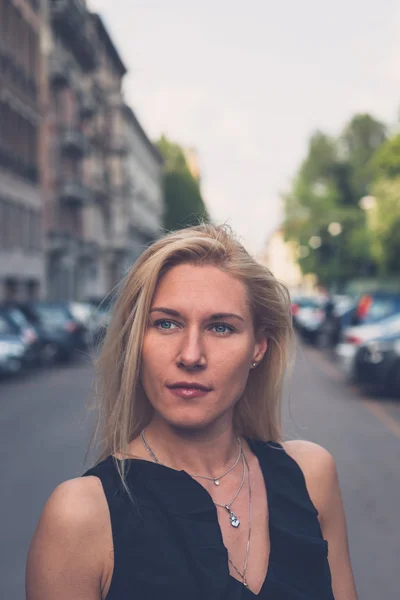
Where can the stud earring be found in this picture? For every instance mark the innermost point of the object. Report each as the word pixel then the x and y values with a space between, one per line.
pixel 253 365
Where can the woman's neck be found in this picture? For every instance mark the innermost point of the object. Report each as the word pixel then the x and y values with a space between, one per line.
pixel 207 452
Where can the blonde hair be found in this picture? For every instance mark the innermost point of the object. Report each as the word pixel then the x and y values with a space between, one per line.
pixel 122 407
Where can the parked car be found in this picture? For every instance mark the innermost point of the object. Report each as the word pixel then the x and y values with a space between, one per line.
pixel 320 319
pixel 306 312
pixel 27 334
pixel 377 362
pixel 57 321
pixel 354 337
pixel 101 317
pixel 12 349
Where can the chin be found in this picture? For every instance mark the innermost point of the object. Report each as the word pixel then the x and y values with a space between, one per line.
pixel 190 419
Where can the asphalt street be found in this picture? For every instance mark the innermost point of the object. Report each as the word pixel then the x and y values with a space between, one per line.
pixel 44 434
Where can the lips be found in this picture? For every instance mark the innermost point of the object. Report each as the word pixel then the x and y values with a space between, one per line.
pixel 187 389
pixel 189 385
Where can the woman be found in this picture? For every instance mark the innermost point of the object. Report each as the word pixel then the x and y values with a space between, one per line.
pixel 194 494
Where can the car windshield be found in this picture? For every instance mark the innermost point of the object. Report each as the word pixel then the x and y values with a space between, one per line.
pixel 52 315
pixel 307 302
pixel 379 309
pixel 18 318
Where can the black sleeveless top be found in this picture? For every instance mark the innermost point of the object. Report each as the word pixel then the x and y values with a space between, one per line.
pixel 168 544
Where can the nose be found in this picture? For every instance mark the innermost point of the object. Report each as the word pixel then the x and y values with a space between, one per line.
pixel 191 353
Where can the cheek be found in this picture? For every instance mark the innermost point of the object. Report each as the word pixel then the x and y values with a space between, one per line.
pixel 232 366
pixel 156 355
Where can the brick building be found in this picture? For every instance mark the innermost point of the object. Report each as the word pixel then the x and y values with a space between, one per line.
pixel 21 254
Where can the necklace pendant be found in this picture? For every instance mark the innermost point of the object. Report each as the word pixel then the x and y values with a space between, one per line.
pixel 233 519
pixel 216 481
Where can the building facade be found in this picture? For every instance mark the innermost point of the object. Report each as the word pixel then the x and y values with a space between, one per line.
pixel 70 61
pixel 280 257
pixel 145 198
pixel 105 168
pixel 21 248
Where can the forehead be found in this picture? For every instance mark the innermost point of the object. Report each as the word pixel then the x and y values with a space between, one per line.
pixel 201 288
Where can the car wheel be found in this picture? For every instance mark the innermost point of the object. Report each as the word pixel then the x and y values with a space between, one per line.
pixel 50 353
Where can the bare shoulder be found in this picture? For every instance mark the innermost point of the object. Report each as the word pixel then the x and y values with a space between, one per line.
pixel 66 555
pixel 319 469
pixel 76 506
pixel 310 455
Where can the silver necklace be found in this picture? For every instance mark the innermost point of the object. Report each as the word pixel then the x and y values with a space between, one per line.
pixel 243 575
pixel 234 521
pixel 216 480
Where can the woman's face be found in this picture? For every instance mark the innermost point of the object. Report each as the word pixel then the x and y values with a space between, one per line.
pixel 198 347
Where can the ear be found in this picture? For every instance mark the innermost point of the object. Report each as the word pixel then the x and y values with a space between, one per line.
pixel 260 348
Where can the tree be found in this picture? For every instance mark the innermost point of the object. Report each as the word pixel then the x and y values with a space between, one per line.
pixel 328 186
pixel 183 200
pixel 386 162
pixel 360 140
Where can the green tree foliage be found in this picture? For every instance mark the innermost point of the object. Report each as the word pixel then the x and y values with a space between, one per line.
pixel 386 162
pixel 327 189
pixel 359 142
pixel 183 200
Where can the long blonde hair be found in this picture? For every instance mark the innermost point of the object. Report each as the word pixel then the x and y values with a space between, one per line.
pixel 122 407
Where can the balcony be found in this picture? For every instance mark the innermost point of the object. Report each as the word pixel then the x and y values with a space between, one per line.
pixel 59 71
pixel 88 105
pixel 72 141
pixel 117 144
pixel 69 18
pixel 58 242
pixel 75 193
pixel 101 185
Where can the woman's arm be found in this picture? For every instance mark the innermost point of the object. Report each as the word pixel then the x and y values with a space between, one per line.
pixel 66 556
pixel 320 473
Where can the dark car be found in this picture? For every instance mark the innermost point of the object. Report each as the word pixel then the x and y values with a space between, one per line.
pixel 21 327
pixel 377 363
pixel 57 321
pixel 55 342
pixel 12 349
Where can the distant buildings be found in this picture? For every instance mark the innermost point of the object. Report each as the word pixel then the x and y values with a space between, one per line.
pixel 80 189
pixel 21 250
pixel 144 171
pixel 193 163
pixel 280 257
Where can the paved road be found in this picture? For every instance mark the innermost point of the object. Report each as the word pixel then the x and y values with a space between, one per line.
pixel 44 434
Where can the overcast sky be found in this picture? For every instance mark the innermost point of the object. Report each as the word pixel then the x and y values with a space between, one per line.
pixel 246 83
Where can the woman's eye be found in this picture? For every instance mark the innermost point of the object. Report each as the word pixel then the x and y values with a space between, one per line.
pixel 222 329
pixel 165 325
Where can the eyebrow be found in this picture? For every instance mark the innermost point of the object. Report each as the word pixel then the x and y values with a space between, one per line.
pixel 214 317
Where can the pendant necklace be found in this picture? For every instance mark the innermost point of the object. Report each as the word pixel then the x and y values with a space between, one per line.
pixel 235 522
pixel 233 519
pixel 216 480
